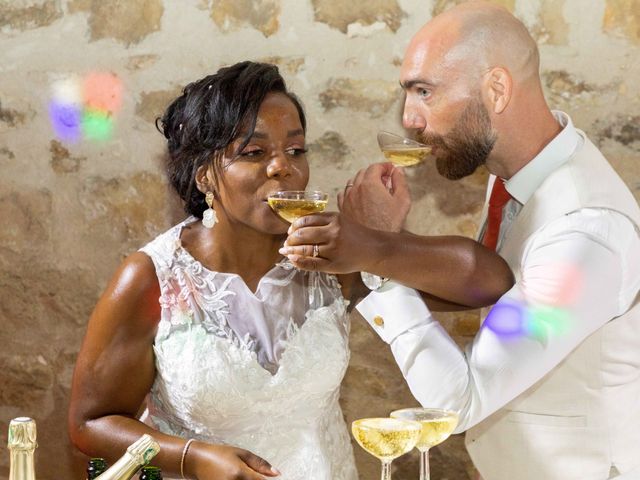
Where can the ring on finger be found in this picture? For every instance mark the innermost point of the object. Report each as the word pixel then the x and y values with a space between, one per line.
pixel 348 185
pixel 316 251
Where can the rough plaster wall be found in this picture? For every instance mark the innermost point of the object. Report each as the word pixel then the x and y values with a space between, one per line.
pixel 71 212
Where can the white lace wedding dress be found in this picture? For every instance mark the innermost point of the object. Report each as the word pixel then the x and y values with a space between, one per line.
pixel 260 371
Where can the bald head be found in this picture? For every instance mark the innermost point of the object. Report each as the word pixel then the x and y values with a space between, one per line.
pixel 471 80
pixel 476 36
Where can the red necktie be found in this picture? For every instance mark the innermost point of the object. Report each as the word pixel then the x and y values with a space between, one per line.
pixel 498 199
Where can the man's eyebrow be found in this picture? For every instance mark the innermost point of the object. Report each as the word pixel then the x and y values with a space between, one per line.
pixel 408 84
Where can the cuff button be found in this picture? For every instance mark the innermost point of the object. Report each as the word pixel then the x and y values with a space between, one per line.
pixel 378 320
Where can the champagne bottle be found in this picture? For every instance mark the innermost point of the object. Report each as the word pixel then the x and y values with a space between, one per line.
pixel 22 445
pixel 137 455
pixel 150 473
pixel 95 467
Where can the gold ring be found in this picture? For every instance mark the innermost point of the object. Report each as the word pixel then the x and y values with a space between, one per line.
pixel 349 185
pixel 316 251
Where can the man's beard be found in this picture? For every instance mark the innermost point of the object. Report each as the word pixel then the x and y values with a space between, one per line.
pixel 467 146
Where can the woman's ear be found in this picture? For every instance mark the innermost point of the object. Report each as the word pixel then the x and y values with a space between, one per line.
pixel 203 182
pixel 497 88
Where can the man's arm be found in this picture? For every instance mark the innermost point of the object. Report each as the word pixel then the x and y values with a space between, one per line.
pixel 570 286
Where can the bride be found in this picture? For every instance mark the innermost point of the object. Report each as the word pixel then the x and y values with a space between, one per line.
pixel 237 355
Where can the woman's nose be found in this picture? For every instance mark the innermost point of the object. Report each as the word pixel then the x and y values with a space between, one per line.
pixel 279 166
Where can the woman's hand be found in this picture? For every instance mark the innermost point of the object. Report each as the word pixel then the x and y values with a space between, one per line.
pixel 220 462
pixel 329 242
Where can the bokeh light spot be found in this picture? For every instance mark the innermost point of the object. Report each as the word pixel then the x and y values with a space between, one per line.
pixel 67 91
pixel 97 125
pixel 85 107
pixel 506 319
pixel 556 284
pixel 65 119
pixel 548 320
pixel 102 91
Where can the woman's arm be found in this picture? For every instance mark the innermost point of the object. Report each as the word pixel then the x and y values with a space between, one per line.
pixel 354 290
pixel 455 272
pixel 455 269
pixel 114 372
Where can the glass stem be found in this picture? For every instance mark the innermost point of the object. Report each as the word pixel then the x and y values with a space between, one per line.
pixel 386 470
pixel 424 465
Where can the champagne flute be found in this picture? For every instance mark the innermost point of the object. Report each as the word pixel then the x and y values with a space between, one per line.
pixel 386 438
pixel 402 151
pixel 437 425
pixel 293 204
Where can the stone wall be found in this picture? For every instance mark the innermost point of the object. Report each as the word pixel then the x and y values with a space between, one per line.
pixel 70 211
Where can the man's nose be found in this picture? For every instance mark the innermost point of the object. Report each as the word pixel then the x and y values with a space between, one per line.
pixel 412 118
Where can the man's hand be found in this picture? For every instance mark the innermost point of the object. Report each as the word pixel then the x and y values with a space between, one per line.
pixel 377 197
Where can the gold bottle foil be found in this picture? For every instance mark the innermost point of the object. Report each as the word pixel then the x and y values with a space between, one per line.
pixel 137 455
pixel 22 434
pixel 22 444
pixel 144 449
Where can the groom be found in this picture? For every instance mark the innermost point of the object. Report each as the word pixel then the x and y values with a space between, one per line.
pixel 549 387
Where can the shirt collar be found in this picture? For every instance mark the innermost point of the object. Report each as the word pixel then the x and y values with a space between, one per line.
pixel 527 180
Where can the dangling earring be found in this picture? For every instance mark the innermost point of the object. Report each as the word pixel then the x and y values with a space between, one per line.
pixel 209 218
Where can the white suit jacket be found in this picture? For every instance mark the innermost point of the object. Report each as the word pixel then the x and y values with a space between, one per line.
pixel 584 415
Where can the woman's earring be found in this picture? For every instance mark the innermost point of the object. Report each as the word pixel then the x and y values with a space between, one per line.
pixel 209 218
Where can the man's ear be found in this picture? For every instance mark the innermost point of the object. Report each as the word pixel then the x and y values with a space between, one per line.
pixel 497 88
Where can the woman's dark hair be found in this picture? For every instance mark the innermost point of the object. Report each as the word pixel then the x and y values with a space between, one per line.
pixel 210 114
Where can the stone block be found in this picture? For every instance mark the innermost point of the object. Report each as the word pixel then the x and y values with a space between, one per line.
pixel 340 15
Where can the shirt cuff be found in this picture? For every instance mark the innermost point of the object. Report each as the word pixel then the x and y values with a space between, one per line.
pixel 393 310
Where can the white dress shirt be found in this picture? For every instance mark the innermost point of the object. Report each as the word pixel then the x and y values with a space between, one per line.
pixel 579 272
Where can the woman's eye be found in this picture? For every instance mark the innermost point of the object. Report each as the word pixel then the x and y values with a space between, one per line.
pixel 251 153
pixel 296 151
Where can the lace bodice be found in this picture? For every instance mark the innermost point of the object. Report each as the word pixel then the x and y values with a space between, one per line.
pixel 260 371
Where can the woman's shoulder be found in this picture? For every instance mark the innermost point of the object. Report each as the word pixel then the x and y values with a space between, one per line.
pixel 133 292
pixel 162 249
pixel 166 239
pixel 137 270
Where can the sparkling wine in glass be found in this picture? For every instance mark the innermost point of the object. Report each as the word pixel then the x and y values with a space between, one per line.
pixel 293 204
pixel 402 151
pixel 386 438
pixel 437 425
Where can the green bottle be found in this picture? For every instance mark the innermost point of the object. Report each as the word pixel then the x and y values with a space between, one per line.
pixel 150 473
pixel 95 467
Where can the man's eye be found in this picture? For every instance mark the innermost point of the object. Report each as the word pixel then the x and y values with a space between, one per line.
pixel 424 93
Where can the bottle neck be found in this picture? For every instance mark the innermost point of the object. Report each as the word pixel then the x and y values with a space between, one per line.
pixel 123 469
pixel 22 465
